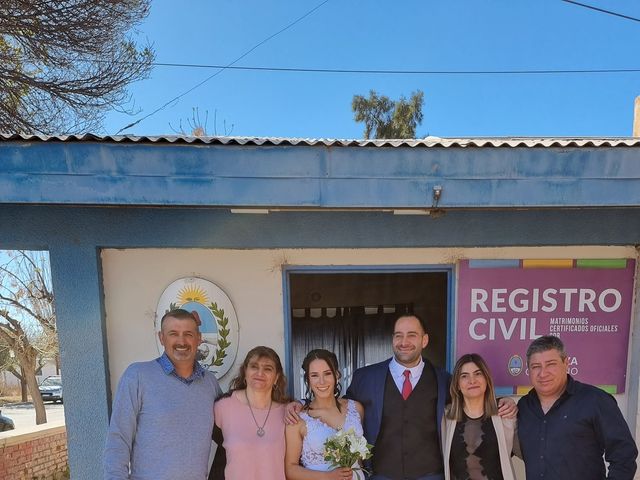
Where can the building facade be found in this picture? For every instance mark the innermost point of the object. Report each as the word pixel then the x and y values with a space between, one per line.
pixel 301 237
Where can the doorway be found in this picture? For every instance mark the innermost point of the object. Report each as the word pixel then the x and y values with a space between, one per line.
pixel 352 312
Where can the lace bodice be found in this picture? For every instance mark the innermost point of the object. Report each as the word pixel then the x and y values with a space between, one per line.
pixel 317 433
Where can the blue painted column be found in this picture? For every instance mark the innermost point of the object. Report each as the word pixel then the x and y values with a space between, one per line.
pixel 76 278
pixel 633 361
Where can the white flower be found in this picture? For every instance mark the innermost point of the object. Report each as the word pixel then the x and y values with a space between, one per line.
pixel 359 446
pixel 345 448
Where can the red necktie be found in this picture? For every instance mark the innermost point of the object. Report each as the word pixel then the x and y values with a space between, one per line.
pixel 406 386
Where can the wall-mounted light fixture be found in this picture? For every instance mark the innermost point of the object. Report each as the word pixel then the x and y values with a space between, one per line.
pixel 437 194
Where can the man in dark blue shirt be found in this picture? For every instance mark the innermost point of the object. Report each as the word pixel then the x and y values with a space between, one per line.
pixel 565 426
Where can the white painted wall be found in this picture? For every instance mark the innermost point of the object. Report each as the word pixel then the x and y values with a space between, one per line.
pixel 134 279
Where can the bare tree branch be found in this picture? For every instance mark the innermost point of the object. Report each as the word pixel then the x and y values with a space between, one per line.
pixel 64 63
pixel 198 128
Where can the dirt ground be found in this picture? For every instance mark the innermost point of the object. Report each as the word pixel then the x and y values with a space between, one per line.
pixel 4 400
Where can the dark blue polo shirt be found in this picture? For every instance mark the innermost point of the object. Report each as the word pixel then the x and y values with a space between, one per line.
pixel 568 442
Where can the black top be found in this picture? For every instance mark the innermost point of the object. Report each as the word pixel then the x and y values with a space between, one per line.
pixel 474 451
pixel 569 441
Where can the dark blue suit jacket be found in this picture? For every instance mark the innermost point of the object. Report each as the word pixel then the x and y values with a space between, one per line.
pixel 367 387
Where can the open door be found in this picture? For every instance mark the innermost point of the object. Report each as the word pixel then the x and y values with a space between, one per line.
pixel 352 314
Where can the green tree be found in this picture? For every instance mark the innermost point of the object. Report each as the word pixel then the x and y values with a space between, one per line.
pixel 64 63
pixel 27 316
pixel 384 118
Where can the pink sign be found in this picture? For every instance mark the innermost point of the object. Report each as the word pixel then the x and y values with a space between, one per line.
pixel 505 304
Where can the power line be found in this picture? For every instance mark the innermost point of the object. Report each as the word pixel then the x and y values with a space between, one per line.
pixel 404 72
pixel 608 12
pixel 365 71
pixel 223 68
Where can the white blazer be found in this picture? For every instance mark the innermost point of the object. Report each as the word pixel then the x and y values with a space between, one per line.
pixel 505 430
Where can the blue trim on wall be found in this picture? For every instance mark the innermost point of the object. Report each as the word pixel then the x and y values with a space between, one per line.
pixel 451 314
pixel 504 391
pixel 495 263
pixel 395 268
pixel 101 173
pixel 37 227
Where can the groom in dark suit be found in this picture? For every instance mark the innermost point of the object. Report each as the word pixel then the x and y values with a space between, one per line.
pixel 404 399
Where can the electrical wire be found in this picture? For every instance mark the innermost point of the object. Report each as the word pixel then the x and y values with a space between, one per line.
pixel 232 66
pixel 602 10
pixel 223 68
pixel 403 72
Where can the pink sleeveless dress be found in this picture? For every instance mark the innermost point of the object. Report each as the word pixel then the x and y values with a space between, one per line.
pixel 249 455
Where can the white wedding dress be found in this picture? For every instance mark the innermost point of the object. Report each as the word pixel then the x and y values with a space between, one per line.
pixel 317 433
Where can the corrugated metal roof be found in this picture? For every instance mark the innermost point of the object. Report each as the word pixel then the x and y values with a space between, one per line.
pixel 272 173
pixel 428 142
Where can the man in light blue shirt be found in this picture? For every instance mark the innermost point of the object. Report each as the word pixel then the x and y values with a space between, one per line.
pixel 162 415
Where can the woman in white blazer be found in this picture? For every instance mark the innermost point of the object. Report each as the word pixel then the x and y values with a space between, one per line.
pixel 476 442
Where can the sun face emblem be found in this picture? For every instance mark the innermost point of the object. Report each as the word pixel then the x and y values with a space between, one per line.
pixel 218 321
pixel 192 293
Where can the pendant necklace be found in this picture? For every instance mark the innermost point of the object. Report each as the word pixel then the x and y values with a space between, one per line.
pixel 260 430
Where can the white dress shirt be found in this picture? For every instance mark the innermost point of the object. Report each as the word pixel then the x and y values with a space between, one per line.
pixel 397 373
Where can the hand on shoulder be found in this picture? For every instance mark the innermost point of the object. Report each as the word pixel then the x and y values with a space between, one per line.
pixel 292 412
pixel 507 408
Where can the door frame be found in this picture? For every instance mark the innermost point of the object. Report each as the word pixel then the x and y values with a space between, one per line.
pixel 288 270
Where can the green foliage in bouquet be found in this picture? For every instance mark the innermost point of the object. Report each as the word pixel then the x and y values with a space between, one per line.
pixel 346 448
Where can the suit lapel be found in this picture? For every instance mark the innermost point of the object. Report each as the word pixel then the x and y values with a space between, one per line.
pixel 378 394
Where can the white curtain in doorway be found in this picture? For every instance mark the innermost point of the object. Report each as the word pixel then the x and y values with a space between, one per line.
pixel 358 336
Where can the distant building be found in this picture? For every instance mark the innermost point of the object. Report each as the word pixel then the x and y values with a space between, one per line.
pixel 9 380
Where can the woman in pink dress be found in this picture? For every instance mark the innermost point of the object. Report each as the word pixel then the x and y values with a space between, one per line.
pixel 251 418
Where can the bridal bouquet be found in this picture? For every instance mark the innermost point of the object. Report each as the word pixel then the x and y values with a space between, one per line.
pixel 346 448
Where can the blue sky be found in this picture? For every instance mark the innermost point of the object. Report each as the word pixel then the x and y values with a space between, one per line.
pixel 467 35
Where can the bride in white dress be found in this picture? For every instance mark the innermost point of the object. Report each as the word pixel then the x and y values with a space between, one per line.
pixel 323 414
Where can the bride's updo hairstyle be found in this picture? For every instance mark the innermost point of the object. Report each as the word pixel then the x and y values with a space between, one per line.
pixel 332 361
